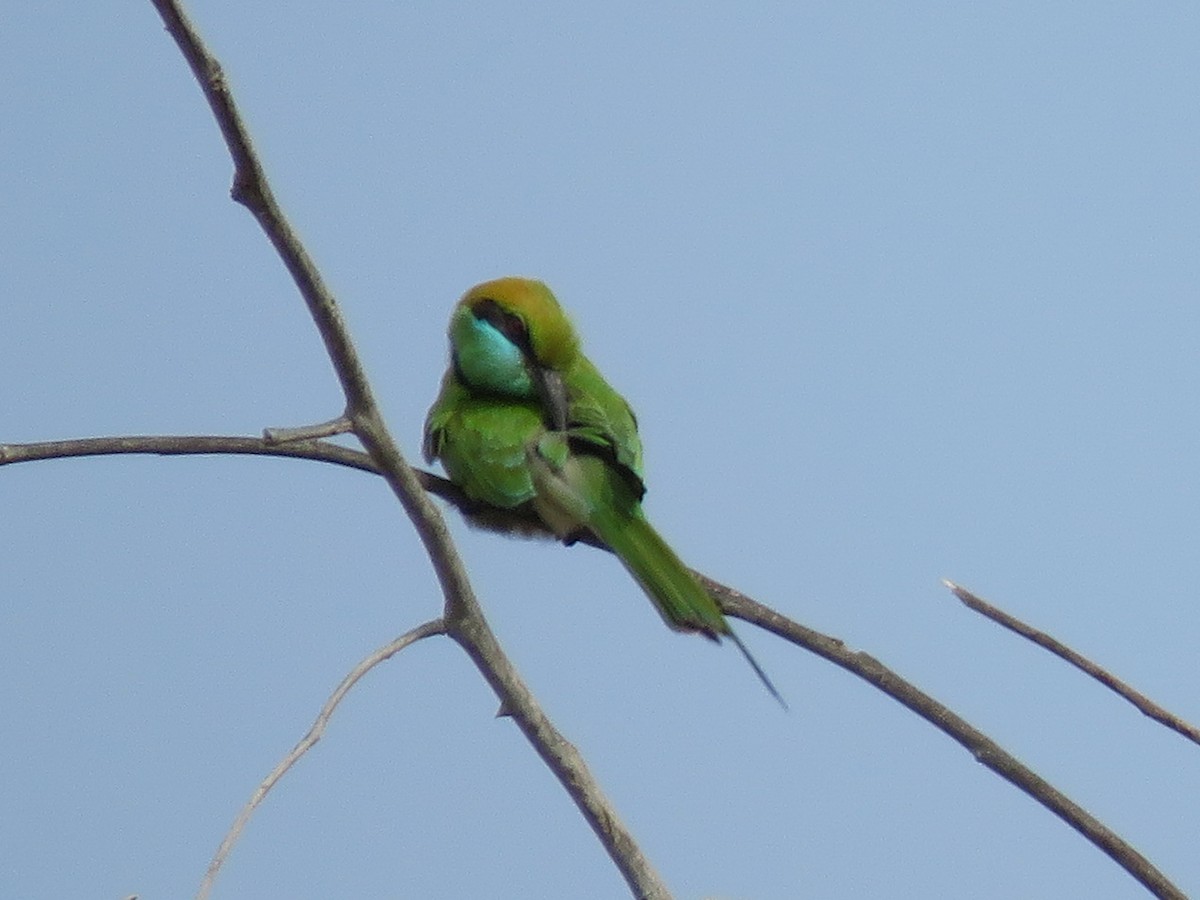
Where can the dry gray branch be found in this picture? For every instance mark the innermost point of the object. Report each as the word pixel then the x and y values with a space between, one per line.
pixel 979 744
pixel 1147 706
pixel 463 616
pixel 733 602
pixel 315 733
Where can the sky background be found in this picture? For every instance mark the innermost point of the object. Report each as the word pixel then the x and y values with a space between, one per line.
pixel 899 292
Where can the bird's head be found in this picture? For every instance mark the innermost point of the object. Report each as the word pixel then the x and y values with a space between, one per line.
pixel 511 338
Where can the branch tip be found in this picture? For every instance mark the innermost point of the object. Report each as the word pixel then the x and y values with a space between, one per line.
pixel 1051 644
pixel 340 425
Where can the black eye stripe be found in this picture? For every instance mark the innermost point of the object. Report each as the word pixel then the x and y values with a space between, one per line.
pixel 510 325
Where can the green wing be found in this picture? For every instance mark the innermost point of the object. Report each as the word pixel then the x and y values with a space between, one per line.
pixel 602 423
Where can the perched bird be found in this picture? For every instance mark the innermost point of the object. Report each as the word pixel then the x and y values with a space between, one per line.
pixel 526 423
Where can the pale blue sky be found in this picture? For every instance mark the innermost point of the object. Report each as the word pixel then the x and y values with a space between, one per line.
pixel 899 292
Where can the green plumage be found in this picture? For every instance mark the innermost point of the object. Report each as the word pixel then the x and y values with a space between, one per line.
pixel 525 421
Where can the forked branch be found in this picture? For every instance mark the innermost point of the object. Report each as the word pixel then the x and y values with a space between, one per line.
pixel 463 616
pixel 733 602
pixel 942 717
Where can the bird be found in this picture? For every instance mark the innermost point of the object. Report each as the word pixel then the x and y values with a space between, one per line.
pixel 524 422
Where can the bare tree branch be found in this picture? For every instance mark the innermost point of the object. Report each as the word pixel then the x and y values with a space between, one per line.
pixel 185 445
pixel 733 602
pixel 339 425
pixel 942 717
pixel 490 518
pixel 436 626
pixel 1141 701
pixel 463 616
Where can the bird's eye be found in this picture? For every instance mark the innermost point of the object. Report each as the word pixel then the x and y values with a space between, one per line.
pixel 508 324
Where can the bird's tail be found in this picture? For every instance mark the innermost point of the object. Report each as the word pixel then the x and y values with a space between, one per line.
pixel 617 520
pixel 677 594
pixel 680 599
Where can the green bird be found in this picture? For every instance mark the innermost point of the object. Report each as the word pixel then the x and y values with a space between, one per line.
pixel 526 423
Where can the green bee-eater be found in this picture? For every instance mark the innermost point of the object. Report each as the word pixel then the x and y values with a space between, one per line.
pixel 524 421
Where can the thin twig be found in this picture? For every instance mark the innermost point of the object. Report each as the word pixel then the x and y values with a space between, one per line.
pixel 516 523
pixel 463 616
pixel 185 445
pixel 983 748
pixel 1141 701
pixel 339 425
pixel 733 602
pixel 235 445
pixel 436 626
pixel 462 620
